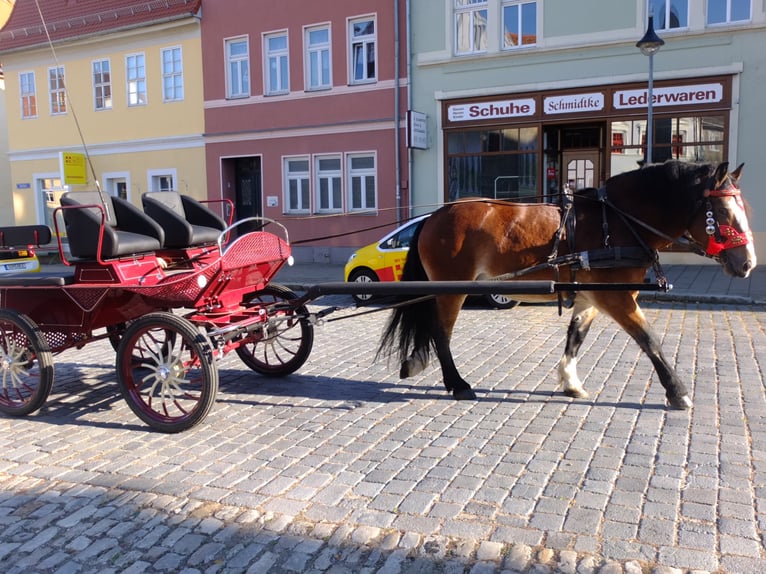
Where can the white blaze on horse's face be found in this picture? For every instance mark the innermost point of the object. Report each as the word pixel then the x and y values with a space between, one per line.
pixel 738 261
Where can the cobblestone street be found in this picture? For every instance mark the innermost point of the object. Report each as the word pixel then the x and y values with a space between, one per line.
pixel 342 467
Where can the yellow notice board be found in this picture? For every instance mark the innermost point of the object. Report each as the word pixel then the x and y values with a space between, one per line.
pixel 73 168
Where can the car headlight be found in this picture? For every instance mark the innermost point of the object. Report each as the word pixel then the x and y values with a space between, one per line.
pixel 351 258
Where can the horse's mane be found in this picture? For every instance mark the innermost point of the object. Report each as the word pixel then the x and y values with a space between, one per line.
pixel 685 180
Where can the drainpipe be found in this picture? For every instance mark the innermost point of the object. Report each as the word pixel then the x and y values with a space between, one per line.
pixel 409 103
pixel 397 111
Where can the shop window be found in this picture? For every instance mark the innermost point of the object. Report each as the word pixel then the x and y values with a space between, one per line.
pixel 688 138
pixel 498 164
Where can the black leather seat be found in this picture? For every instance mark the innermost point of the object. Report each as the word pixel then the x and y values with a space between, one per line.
pixel 127 229
pixel 185 220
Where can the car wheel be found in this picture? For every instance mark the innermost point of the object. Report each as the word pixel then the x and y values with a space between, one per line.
pixel 497 301
pixel 362 276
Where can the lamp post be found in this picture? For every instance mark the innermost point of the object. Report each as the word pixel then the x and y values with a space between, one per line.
pixel 648 45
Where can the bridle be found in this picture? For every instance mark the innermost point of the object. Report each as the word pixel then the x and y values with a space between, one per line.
pixel 723 237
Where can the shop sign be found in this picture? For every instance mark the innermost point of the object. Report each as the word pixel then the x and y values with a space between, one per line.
pixel 491 110
pixel 573 103
pixel 670 96
pixel 417 130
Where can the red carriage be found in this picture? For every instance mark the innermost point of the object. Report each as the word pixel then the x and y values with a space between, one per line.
pixel 173 290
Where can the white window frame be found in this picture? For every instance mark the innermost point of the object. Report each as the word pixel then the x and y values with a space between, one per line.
pixel 365 42
pixel 172 76
pixel 135 79
pixel 470 9
pixel 332 177
pixel 519 23
pixel 728 19
pixel 281 56
pixel 241 62
pixel 317 51
pixel 57 93
pixel 662 21
pixel 303 178
pixel 363 174
pixel 29 95
pixel 110 178
pixel 101 85
pixel 155 177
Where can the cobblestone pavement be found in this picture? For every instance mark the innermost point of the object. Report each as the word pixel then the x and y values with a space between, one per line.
pixel 342 468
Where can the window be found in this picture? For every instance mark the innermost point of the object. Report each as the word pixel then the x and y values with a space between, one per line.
pixel 669 14
pixel 162 180
pixel 277 64
pixel 56 90
pixel 28 95
pixel 135 71
pixel 361 178
pixel 724 11
pixel 688 138
pixel 318 58
pixel 519 24
pixel 329 195
pixel 470 26
pixel 238 68
pixel 297 194
pixel 362 34
pixel 102 85
pixel 496 163
pixel 172 75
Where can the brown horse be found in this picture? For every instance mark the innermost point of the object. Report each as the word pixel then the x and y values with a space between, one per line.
pixel 611 236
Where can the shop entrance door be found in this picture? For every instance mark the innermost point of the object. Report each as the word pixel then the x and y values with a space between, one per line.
pixel 581 168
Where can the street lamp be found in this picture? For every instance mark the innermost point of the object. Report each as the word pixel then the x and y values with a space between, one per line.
pixel 648 45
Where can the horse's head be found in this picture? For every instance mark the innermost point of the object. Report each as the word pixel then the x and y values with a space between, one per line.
pixel 720 226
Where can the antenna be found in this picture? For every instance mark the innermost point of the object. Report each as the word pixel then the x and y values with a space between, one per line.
pixel 74 113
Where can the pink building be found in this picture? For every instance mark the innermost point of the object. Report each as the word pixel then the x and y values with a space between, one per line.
pixel 304 117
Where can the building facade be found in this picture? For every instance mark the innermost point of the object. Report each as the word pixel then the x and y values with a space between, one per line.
pixel 524 97
pixel 304 109
pixel 119 82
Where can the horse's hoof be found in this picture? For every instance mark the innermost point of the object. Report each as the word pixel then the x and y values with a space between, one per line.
pixel 576 393
pixel 681 403
pixel 464 395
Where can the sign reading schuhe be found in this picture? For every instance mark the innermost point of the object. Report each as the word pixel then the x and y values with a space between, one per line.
pixel 491 110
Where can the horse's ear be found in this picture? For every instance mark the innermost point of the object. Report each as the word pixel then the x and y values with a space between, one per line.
pixel 720 172
pixel 737 172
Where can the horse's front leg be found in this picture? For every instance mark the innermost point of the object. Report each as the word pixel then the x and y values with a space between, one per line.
pixel 448 308
pixel 582 318
pixel 626 312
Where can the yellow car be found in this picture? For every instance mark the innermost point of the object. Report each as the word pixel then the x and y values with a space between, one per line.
pixel 384 261
pixel 15 260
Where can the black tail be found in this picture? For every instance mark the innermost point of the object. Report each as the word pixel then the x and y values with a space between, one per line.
pixel 411 326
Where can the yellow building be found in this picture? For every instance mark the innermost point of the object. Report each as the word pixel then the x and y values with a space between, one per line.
pixel 118 82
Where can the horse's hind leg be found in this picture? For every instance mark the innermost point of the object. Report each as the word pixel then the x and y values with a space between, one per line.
pixel 448 308
pixel 626 312
pixel 582 318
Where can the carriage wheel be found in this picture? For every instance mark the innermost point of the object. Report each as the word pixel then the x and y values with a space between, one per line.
pixel 26 365
pixel 166 372
pixel 285 342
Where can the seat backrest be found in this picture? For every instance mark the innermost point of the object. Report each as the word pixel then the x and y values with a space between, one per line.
pixel 91 198
pixel 170 199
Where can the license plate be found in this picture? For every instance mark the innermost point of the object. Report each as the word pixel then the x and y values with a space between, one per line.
pixel 12 266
